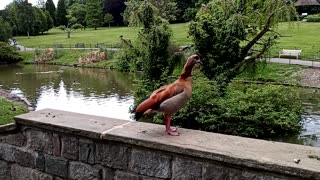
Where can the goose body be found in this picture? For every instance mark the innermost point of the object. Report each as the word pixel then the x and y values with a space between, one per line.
pixel 171 98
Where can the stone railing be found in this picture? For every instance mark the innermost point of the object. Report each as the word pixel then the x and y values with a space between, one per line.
pixel 55 145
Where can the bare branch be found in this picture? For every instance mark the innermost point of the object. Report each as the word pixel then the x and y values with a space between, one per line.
pixel 250 59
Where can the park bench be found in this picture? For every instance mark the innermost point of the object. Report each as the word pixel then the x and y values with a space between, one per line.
pixel 289 52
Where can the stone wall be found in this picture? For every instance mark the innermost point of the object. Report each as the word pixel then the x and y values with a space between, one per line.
pixel 57 145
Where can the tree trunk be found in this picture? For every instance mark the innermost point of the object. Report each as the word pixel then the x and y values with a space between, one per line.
pixel 68 33
pixel 109 24
pixel 28 34
pixel 95 28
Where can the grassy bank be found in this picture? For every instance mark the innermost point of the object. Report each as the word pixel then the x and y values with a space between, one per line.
pixel 69 58
pixel 6 111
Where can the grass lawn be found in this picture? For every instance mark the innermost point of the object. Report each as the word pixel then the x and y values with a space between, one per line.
pixel 303 35
pixel 108 36
pixel 272 72
pixel 7 114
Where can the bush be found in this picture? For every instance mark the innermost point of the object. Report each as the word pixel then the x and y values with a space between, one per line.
pixel 46 55
pixel 9 54
pixel 251 111
pixel 313 18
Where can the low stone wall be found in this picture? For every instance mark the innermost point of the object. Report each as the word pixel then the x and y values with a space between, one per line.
pixel 56 145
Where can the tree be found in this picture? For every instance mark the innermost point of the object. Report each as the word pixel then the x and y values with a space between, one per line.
pixel 231 35
pixel 94 13
pixel 61 13
pixel 41 24
pixel 25 17
pixel 108 18
pixel 10 15
pixel 51 8
pixel 49 20
pixel 167 9
pixel 5 30
pixel 79 12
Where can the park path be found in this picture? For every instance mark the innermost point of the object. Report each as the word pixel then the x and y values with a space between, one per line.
pixel 294 61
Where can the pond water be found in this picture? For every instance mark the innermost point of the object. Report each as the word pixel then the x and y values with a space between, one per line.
pixel 99 92
pixel 82 90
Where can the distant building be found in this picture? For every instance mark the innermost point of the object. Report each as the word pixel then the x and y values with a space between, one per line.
pixel 308 6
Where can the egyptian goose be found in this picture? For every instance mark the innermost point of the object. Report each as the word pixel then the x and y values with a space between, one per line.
pixel 169 99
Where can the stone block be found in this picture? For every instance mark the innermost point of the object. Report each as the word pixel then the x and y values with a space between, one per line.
pixel 40 161
pixel 87 151
pixel 107 173
pixel 7 152
pixel 70 147
pixel 120 175
pixel 16 139
pixel 21 173
pixel 78 170
pixel 39 140
pixel 4 171
pixel 37 175
pixel 112 155
pixel 56 141
pixel 185 169
pixel 56 166
pixel 214 172
pixel 25 157
pixel 149 163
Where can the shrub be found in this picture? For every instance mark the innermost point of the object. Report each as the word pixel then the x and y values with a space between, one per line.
pixel 9 54
pixel 313 18
pixel 46 55
pixel 252 111
pixel 93 57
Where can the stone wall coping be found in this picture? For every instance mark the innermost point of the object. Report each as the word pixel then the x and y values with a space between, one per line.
pixel 233 150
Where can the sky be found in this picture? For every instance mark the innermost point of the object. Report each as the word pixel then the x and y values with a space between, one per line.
pixel 4 3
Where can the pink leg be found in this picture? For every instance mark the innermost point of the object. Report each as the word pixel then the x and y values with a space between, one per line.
pixel 169 130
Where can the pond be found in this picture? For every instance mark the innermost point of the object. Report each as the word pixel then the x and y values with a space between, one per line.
pixel 99 92
pixel 83 90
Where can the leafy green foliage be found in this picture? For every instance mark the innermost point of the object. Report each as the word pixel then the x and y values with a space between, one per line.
pixel 108 18
pixel 8 54
pixel 49 20
pixel 61 13
pixel 79 12
pixel 41 24
pixel 51 8
pixel 167 10
pixel 252 111
pixel 5 30
pixel 313 18
pixel 231 35
pixel 151 53
pixel 25 17
pixel 94 13
pixel 7 114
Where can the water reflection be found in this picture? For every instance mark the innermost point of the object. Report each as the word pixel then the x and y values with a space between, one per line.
pixel 83 90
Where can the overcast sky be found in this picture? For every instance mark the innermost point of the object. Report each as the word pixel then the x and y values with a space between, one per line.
pixel 3 3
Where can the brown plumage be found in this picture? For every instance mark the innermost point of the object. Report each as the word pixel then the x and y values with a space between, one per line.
pixel 171 98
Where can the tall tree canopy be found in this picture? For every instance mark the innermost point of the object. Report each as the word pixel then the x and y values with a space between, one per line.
pixel 231 35
pixel 166 9
pixel 79 11
pixel 61 13
pixel 5 30
pixel 94 13
pixel 51 8
pixel 41 24
pixel 25 17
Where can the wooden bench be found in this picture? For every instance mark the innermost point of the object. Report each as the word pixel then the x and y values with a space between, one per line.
pixel 289 52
